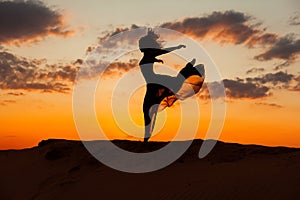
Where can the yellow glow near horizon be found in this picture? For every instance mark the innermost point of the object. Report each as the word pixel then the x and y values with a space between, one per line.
pixel 36 117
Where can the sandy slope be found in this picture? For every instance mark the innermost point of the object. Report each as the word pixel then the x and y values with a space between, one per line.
pixel 59 169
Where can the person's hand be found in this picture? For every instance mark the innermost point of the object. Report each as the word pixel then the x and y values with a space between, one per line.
pixel 181 46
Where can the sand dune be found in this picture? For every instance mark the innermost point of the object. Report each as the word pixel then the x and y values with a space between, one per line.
pixel 61 169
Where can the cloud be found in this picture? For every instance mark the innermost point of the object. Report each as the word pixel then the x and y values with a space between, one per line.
pixel 89 49
pixel 252 87
pixel 16 94
pixel 29 21
pixel 6 102
pixel 282 65
pixel 296 86
pixel 119 68
pixel 213 90
pixel 286 48
pixel 235 89
pixel 127 39
pixel 274 105
pixel 255 70
pixel 274 79
pixel 9 101
pixel 232 27
pixel 294 20
pixel 240 90
pixel 21 73
pixel 228 27
pixel 224 27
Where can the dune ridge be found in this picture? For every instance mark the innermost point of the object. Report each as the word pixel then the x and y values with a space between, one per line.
pixel 62 169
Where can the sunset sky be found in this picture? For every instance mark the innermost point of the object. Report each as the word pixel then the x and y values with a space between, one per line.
pixel 254 44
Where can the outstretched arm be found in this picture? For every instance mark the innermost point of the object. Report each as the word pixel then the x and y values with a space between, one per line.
pixel 167 50
pixel 174 48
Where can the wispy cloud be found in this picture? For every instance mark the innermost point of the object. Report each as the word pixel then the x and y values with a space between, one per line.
pixel 29 21
pixel 282 65
pixel 273 105
pixel 294 20
pixel 16 94
pixel 255 70
pixel 124 40
pixel 7 102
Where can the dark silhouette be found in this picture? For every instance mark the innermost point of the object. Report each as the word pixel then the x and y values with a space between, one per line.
pixel 162 89
pixel 230 171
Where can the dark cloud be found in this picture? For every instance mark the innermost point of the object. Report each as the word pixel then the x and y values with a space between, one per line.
pixel 240 90
pixel 235 89
pixel 255 70
pixel 274 105
pixel 107 70
pixel 224 27
pixel 252 87
pixel 237 28
pixel 29 21
pixel 213 90
pixel 273 79
pixel 119 68
pixel 286 48
pixel 228 27
pixel 21 73
pixel 262 39
pixel 89 49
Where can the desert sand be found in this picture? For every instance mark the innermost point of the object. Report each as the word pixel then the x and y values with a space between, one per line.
pixel 61 169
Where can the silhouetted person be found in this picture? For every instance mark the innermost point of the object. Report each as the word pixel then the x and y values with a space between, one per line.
pixel 161 87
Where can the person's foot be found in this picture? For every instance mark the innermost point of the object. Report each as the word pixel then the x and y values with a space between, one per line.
pixel 193 61
pixel 190 64
pixel 146 140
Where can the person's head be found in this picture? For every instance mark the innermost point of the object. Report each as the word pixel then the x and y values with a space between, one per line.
pixel 150 41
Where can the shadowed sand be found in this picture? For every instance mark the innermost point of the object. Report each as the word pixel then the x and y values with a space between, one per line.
pixel 61 169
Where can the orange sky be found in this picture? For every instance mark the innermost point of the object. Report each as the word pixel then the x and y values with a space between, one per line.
pixel 39 116
pixel 29 115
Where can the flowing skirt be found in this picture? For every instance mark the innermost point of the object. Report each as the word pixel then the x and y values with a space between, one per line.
pixel 169 89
